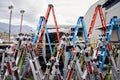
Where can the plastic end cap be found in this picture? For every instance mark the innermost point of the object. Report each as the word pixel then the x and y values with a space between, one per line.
pixel 81 17
pixel 98 5
pixel 114 16
pixel 50 5
pixel 41 16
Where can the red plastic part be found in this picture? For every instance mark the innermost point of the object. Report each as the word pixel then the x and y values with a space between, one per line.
pixel 103 21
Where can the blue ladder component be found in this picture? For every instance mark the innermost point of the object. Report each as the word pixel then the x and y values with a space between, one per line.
pixel 80 20
pixel 102 57
pixel 42 21
pixel 25 70
pixel 48 38
pixel 114 22
pixel 38 30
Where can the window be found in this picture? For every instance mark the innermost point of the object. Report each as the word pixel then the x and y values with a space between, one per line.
pixel 109 3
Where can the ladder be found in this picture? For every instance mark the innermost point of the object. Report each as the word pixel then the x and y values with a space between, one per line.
pixel 18 47
pixel 19 51
pixel 26 56
pixel 36 69
pixel 38 30
pixel 55 64
pixel 114 67
pixel 114 24
pixel 80 20
pixel 75 67
pixel 103 54
pixel 56 72
pixel 74 37
pixel 97 9
pixel 12 69
pixel 91 67
pixel 118 62
pixel 40 42
pixel 46 75
pixel 32 61
pixel 50 7
pixel 2 65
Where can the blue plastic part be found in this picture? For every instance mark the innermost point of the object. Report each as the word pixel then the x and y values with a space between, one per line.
pixel 42 21
pixel 69 55
pixel 25 70
pixel 104 53
pixel 37 31
pixel 80 20
pixel 48 38
pixel 114 22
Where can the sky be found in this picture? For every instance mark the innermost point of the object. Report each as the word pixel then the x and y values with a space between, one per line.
pixel 67 11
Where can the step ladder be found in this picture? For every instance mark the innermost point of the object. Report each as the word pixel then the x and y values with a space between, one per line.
pixel 11 65
pixel 36 69
pixel 55 73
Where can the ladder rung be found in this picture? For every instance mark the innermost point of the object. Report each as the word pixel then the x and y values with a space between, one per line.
pixel 102 55
pixel 14 69
pixel 100 62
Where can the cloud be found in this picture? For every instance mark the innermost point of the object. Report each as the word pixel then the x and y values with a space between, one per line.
pixel 67 12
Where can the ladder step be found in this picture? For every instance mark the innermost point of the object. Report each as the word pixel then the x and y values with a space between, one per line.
pixel 100 62
pixel 14 69
pixel 101 55
pixel 36 72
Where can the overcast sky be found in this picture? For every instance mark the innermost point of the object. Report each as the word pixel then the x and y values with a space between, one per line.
pixel 66 11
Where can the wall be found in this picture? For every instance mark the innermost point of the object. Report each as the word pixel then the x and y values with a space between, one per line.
pixel 113 11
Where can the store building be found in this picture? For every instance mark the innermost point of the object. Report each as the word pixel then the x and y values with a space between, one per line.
pixel 110 8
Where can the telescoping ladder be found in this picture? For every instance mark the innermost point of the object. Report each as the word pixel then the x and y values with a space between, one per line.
pixel 73 40
pixel 114 23
pixel 55 72
pixel 40 30
pixel 80 20
pixel 74 37
pixel 12 69
pixel 50 7
pixel 98 9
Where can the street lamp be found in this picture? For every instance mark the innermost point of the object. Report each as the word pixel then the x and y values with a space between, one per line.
pixel 22 12
pixel 10 8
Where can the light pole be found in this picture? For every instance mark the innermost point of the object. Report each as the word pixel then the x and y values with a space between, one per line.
pixel 10 8
pixel 22 12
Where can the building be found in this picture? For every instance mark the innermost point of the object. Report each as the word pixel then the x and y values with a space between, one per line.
pixel 110 8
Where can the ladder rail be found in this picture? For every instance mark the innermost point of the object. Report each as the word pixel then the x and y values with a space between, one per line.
pixel 37 31
pixel 56 25
pixel 84 30
pixel 97 9
pixel 48 38
pixel 113 23
pixel 51 7
pixel 80 20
